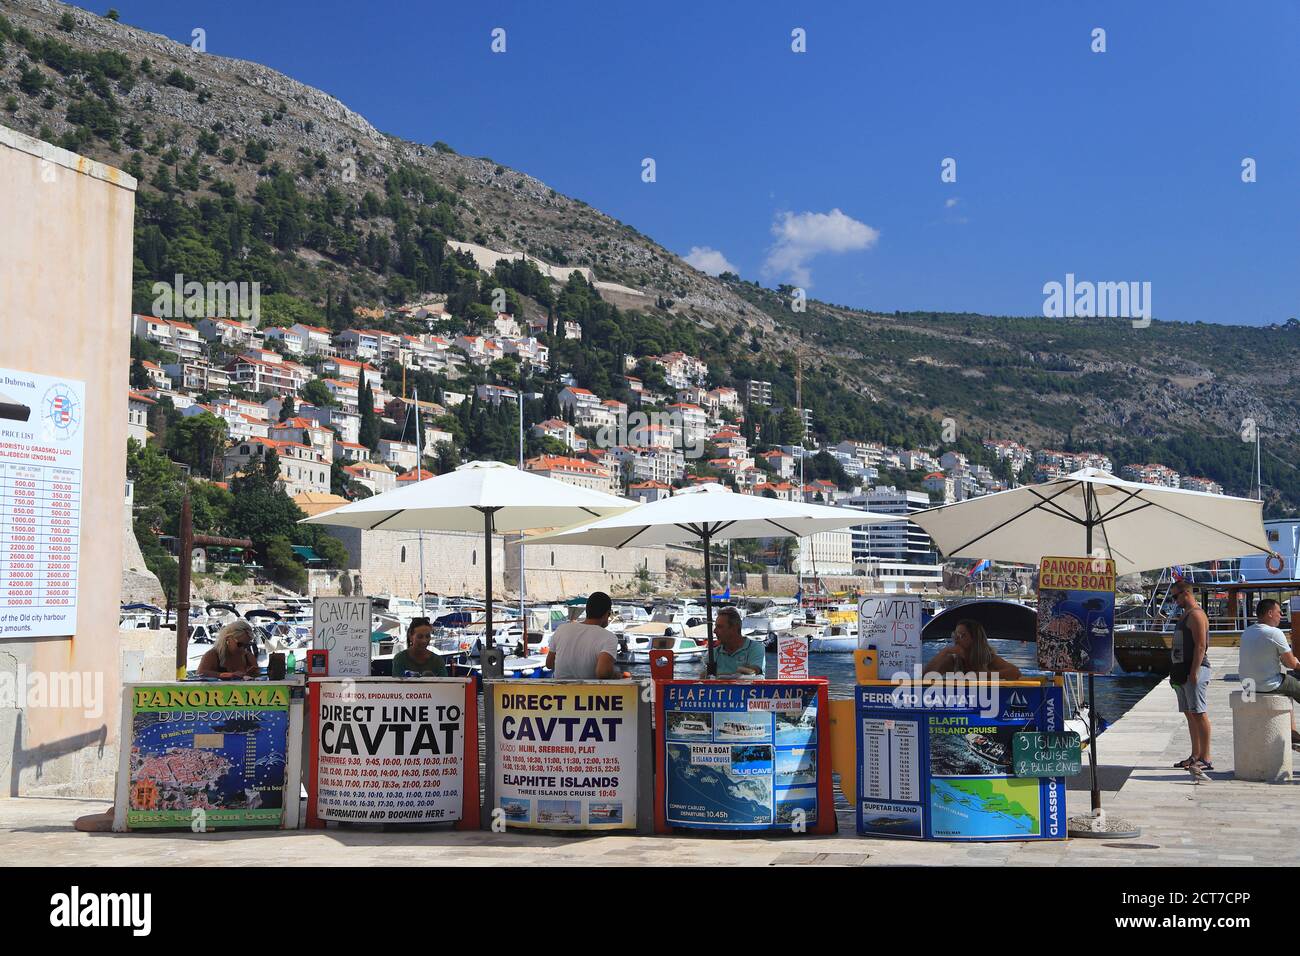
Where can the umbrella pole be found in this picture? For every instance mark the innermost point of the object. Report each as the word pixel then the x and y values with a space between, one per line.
pixel 708 607
pixel 487 572
pixel 1092 720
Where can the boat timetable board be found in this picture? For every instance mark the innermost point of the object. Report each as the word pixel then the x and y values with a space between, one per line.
pixel 743 755
pixel 41 451
pixel 936 763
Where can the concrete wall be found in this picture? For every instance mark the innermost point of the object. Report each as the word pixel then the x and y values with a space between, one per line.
pixel 65 305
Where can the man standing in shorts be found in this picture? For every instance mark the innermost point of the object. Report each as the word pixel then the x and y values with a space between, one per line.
pixel 1190 675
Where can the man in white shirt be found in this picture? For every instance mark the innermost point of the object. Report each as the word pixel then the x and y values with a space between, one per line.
pixel 585 651
pixel 1265 650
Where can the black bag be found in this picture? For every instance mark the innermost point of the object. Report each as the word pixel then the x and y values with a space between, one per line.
pixel 1179 671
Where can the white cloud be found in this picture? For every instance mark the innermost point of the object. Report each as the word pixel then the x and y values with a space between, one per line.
pixel 709 261
pixel 802 236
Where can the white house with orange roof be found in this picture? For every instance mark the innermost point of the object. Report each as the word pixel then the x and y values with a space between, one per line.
pixel 230 332
pixel 529 351
pixel 681 370
pixel 302 468
pixel 316 339
pixel 158 377
pixel 694 421
pixel 722 399
pixel 694 394
pixel 137 416
pixel 732 443
pixel 290 339
pixel 350 451
pixel 648 491
pixel 415 474
pixel 346 393
pixel 260 370
pixel 305 431
pixel 561 431
pixel 582 403
pixel 821 490
pixel 360 344
pixel 506 326
pixel 371 474
pixel 397 454
pixel 654 436
pixel 171 334
pixel 574 471
pixel 641 463
pixel 939 486
pixel 783 490
pixel 747 479
pixel 197 376
pixel 350 370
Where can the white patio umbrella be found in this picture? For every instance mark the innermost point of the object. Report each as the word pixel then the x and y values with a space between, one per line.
pixel 1139 526
pixel 487 496
pixel 709 513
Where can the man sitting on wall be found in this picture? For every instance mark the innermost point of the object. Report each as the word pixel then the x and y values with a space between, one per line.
pixel 1265 652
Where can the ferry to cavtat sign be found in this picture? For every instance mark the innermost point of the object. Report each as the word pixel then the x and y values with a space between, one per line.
pixel 1076 615
pixel 564 754
pixel 201 756
pixel 935 761
pixel 743 755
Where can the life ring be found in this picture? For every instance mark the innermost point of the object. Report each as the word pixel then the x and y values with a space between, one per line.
pixel 1274 563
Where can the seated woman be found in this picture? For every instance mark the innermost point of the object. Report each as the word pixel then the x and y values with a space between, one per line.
pixel 970 651
pixel 232 657
pixel 417 660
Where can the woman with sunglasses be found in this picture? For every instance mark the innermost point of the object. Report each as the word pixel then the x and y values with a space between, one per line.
pixel 417 660
pixel 232 657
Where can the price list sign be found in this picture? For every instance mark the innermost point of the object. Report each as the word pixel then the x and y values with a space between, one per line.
pixel 41 448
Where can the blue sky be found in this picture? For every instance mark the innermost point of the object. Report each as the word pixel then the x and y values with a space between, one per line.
pixel 1115 166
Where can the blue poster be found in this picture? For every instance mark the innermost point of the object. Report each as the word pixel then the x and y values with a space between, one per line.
pixel 740 756
pixel 934 762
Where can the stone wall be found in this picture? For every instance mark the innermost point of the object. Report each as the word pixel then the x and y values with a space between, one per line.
pixel 388 562
pixel 139 584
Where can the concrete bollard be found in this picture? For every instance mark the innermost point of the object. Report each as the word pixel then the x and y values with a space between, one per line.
pixel 1261 737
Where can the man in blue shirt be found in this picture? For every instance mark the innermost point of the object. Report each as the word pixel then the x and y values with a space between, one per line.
pixel 735 654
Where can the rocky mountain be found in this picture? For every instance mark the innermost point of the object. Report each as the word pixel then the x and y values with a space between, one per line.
pixel 313 200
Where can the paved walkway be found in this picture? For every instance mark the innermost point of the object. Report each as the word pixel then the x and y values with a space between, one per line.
pixel 1222 822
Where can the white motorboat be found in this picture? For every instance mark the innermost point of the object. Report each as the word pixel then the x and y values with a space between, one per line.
pixel 768 616
pixel 640 647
